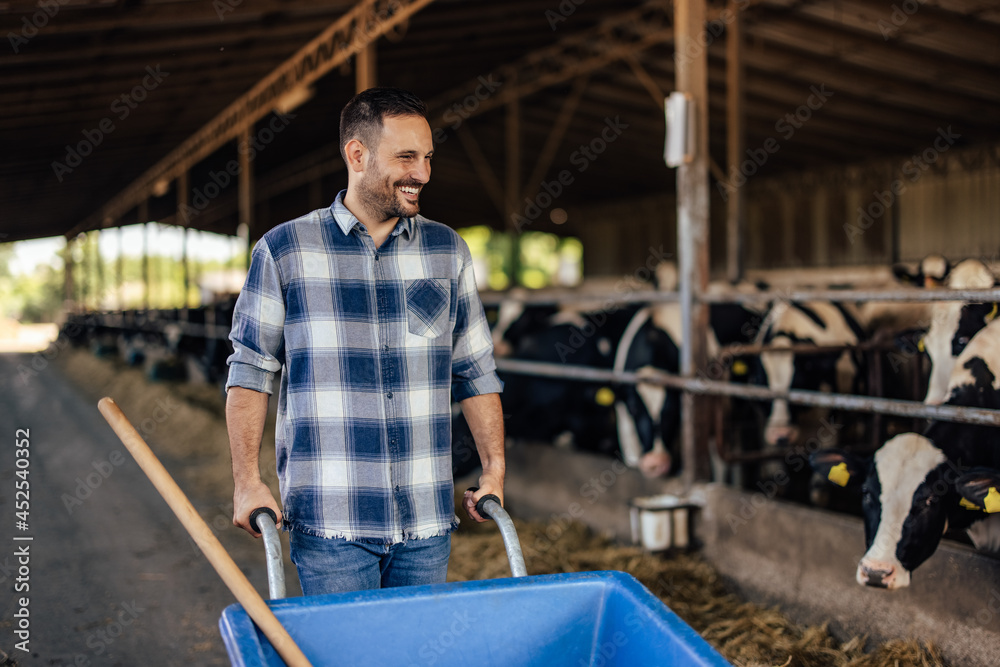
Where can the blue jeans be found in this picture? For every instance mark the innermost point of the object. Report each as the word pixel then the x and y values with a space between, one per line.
pixel 338 566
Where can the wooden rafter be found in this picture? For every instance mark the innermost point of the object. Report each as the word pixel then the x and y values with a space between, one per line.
pixel 345 37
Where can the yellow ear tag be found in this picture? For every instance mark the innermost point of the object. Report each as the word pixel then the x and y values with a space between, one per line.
pixel 992 502
pixel 604 396
pixel 838 474
pixel 921 346
pixel 740 367
pixel 969 505
pixel 993 314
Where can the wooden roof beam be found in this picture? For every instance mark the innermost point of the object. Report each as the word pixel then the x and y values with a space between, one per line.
pixel 368 20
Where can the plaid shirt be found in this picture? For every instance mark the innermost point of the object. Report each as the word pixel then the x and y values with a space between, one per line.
pixel 371 341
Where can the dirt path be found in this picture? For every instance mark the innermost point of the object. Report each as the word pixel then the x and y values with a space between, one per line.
pixel 114 579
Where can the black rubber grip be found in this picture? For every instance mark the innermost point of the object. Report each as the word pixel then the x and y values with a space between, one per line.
pixel 257 512
pixel 482 501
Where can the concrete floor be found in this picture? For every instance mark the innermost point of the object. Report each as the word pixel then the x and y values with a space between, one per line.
pixel 114 578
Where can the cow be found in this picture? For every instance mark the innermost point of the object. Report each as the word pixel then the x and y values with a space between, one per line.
pixel 917 486
pixel 648 415
pixel 931 272
pixel 817 323
pixel 573 412
pixel 954 323
pixel 515 320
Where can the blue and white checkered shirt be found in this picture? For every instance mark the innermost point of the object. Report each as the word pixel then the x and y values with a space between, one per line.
pixel 371 341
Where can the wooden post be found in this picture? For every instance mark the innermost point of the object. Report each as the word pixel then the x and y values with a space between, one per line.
pixel 364 68
pixel 245 194
pixel 182 204
pixel 513 184
pixel 69 288
pixel 692 228
pixel 121 268
pixel 736 205
pixel 99 270
pixel 144 221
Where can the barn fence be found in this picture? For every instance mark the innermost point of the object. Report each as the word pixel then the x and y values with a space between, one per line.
pixel 690 384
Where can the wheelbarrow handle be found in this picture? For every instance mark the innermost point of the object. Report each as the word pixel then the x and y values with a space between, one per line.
pixel 263 520
pixel 489 506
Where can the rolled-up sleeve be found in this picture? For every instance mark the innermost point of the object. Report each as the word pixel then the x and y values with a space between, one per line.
pixel 473 368
pixel 258 325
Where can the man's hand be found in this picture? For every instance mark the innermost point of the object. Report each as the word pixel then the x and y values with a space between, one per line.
pixel 487 484
pixel 248 498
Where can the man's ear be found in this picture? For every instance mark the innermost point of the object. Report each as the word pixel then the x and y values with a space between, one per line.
pixel 981 487
pixel 356 155
pixel 839 467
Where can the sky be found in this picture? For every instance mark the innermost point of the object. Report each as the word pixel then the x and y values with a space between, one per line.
pixel 163 241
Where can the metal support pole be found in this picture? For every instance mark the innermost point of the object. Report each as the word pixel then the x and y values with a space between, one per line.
pixel 245 194
pixel 691 69
pixel 735 143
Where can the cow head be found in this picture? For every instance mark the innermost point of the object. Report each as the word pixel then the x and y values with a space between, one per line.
pixel 954 324
pixel 932 272
pixel 782 371
pixel 908 493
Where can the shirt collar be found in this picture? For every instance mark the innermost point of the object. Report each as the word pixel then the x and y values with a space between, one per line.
pixel 346 220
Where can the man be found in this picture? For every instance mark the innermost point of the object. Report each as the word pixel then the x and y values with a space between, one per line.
pixel 372 312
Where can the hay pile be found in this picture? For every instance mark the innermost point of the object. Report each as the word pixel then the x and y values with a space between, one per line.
pixel 746 634
pixel 184 423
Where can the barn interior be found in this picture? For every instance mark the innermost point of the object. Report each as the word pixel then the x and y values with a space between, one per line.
pixel 833 139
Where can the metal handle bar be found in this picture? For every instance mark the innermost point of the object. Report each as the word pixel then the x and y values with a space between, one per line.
pixel 489 506
pixel 263 520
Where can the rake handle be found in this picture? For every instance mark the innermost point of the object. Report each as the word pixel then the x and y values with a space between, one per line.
pixel 203 536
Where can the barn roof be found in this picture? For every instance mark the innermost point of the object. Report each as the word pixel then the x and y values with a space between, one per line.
pixel 98 92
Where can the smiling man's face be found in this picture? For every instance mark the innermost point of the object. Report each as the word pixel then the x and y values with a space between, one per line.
pixel 398 168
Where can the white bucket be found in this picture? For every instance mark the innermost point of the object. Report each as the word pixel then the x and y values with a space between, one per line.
pixel 661 522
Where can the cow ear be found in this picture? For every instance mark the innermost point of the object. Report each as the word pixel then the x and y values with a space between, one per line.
pixel 839 467
pixel 980 487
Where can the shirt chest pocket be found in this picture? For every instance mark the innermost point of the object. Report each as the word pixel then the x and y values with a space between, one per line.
pixel 428 302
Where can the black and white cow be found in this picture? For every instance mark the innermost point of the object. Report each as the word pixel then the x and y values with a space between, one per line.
pixel 817 323
pixel 931 272
pixel 573 412
pixel 954 323
pixel 648 415
pixel 516 319
pixel 913 487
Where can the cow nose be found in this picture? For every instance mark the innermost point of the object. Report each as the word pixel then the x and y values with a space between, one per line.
pixel 877 577
pixel 782 442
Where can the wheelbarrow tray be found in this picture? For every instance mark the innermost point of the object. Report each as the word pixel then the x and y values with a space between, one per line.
pixel 586 618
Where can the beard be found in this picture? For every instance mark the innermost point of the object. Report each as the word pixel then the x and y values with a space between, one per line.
pixel 380 199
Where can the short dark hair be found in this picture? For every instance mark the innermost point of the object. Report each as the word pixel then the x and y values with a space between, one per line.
pixel 362 117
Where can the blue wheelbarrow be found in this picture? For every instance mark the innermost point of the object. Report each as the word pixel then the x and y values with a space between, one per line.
pixel 587 619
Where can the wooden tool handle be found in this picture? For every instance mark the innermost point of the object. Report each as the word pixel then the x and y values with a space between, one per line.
pixel 216 554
